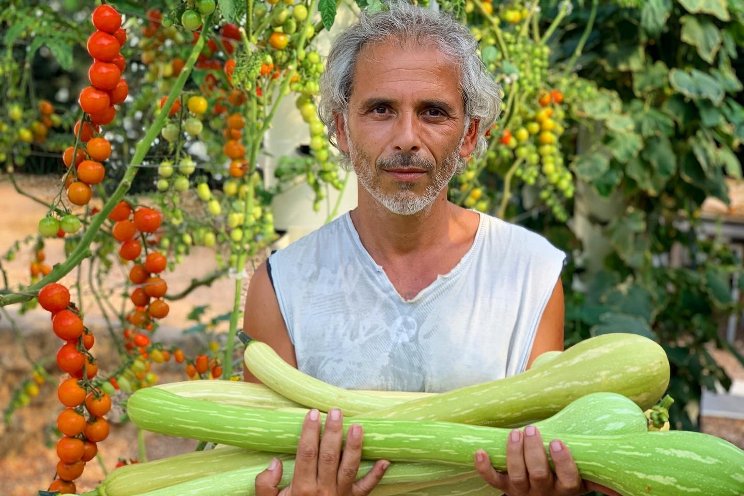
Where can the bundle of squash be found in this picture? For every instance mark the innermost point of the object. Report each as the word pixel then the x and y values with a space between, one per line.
pixel 592 397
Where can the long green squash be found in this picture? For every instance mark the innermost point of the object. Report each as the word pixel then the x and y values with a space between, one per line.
pixel 598 413
pixel 648 463
pixel 626 364
pixel 258 395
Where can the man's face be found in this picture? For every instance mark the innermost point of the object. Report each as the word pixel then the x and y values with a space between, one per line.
pixel 405 128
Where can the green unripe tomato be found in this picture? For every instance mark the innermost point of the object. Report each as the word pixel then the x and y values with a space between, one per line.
pixel 230 188
pixel 279 15
pixel 165 169
pixel 210 239
pixel 317 143
pixel 203 192
pixel 234 219
pixel 170 133
pixel 259 11
pixel 48 226
pixel 186 166
pixel 15 112
pixel 70 224
pixel 187 239
pixel 191 20
pixel 236 235
pixel 206 7
pixel 162 184
pixel 214 207
pixel 299 12
pixel 289 26
pixel 193 126
pixel 317 128
pixel 181 184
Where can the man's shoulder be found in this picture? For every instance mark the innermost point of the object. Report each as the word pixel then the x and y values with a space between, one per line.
pixel 317 241
pixel 516 237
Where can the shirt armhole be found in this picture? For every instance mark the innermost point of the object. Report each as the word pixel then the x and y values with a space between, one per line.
pixel 271 278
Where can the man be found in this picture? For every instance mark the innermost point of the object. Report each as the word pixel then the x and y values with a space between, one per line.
pixel 409 291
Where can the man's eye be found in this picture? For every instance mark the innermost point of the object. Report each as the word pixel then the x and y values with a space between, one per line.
pixel 379 110
pixel 435 112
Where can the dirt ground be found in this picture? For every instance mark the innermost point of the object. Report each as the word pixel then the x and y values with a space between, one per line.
pixel 27 456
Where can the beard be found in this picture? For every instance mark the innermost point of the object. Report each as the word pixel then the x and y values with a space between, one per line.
pixel 403 199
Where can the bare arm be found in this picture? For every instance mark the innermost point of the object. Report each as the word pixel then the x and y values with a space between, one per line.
pixel 263 320
pixel 550 330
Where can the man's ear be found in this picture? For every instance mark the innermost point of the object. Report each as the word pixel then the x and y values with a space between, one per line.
pixel 470 140
pixel 341 139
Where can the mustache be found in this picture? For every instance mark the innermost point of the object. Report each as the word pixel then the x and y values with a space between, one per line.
pixel 404 160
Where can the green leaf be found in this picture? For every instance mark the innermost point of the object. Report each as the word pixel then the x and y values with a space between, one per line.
pixel 619 123
pixel 660 155
pixel 727 77
pixel 590 167
pixel 696 84
pixel 691 170
pixel 489 54
pixel 710 115
pixel 718 286
pixel 197 312
pixel 653 122
pixel 703 35
pixel 658 165
pixel 730 162
pixel 229 10
pixel 625 146
pixel 327 10
pixel 714 7
pixel 62 52
pixel 654 16
pixel 626 236
pixel 612 322
pixel 607 183
pixel 653 77
pixel 16 30
pixel 627 57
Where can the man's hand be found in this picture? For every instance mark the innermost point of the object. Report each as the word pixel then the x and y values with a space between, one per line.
pixel 322 467
pixel 528 471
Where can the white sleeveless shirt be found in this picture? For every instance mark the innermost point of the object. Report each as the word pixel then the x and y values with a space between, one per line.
pixel 351 328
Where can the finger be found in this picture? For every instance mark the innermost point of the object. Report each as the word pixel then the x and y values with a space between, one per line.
pixel 306 466
pixel 540 474
pixel 515 465
pixel 352 455
pixel 567 474
pixel 267 482
pixel 484 468
pixel 366 484
pixel 330 450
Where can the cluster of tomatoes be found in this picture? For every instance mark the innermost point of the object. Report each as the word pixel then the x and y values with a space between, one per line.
pixel 204 367
pixel 81 423
pixel 107 89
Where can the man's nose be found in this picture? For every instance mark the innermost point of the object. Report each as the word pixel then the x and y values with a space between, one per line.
pixel 407 137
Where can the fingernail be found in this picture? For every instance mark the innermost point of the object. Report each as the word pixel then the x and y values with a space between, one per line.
pixel 530 430
pixel 314 415
pixel 274 464
pixel 556 446
pixel 335 414
pixel 480 456
pixel 385 464
pixel 354 431
pixel 515 436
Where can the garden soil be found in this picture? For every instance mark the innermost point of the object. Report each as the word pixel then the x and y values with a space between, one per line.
pixel 27 456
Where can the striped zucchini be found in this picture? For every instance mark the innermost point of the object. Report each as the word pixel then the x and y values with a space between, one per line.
pixel 596 413
pixel 635 464
pixel 258 395
pixel 627 364
pixel 278 375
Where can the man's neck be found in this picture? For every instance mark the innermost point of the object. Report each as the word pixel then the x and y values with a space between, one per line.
pixel 388 236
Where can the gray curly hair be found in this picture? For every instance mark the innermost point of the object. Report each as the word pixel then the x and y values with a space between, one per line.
pixel 403 21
